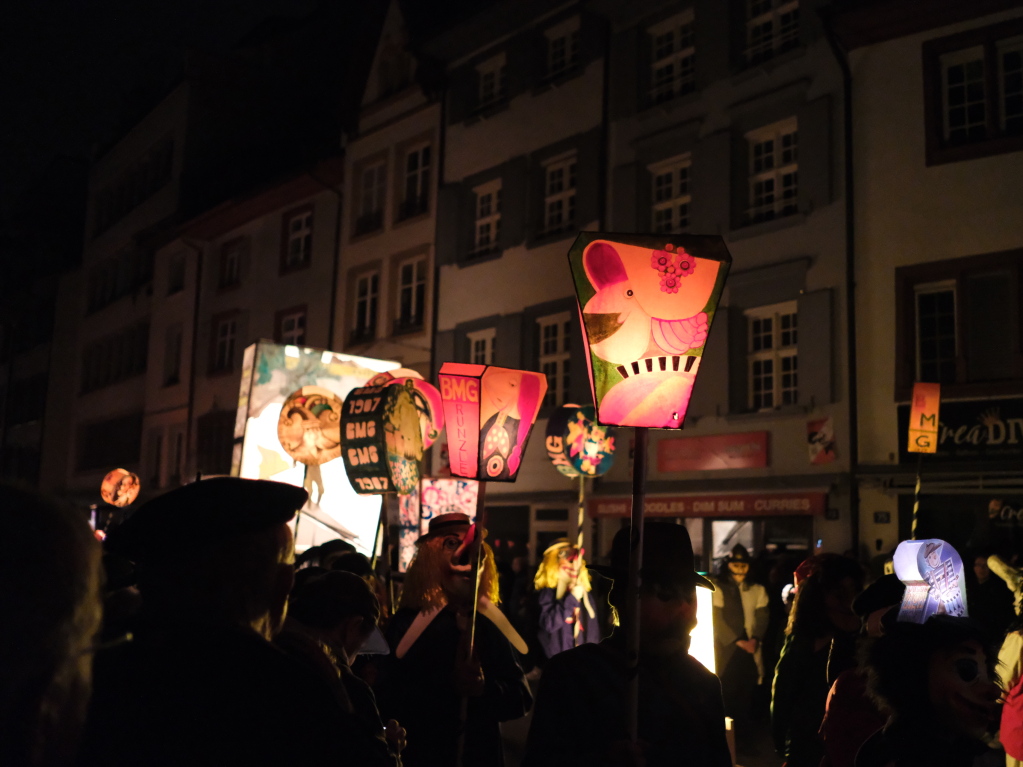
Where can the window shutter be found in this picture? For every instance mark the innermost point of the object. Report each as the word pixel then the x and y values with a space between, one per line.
pixel 579 384
pixel 461 93
pixel 452 230
pixel 710 395
pixel 815 155
pixel 625 76
pixel 737 373
pixel 710 210
pixel 508 342
pixel 625 181
pixel 446 347
pixel 514 199
pixel 587 207
pixel 815 344
pixel 713 27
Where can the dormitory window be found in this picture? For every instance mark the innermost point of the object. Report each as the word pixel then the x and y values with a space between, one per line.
pixel 673 57
pixel 671 198
pixel 555 345
pixel 488 217
pixel 773 171
pixel 772 356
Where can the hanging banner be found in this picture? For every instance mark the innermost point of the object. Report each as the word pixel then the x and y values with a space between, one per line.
pixel 820 441
pixel 381 441
pixel 647 305
pixel 576 444
pixel 923 418
pixel 935 584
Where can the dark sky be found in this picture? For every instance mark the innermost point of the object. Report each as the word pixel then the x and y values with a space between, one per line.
pixel 70 70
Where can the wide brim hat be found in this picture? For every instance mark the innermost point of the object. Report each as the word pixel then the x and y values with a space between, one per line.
pixel 739 554
pixel 444 523
pixel 190 521
pixel 667 556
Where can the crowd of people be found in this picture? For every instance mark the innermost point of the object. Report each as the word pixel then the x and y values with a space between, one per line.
pixel 194 636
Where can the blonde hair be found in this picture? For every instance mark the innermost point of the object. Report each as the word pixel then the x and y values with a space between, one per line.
pixel 423 588
pixel 549 572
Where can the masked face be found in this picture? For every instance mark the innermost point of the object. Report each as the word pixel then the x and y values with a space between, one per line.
pixel 962 693
pixel 569 561
pixel 739 571
pixel 456 567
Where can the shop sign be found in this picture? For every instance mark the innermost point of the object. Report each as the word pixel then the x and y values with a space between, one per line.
pixel 737 505
pixel 978 430
pixel 746 450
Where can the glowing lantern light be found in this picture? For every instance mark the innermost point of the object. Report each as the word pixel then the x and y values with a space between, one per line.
pixel 309 426
pixel 427 400
pixel 935 583
pixel 923 418
pixel 489 413
pixel 381 440
pixel 647 306
pixel 120 488
pixel 701 639
pixel 576 444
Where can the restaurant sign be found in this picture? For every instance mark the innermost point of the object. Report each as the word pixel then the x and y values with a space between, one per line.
pixel 746 450
pixel 978 430
pixel 731 505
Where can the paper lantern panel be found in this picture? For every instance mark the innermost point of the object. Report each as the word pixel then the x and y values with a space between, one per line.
pixel 381 441
pixel 120 488
pixel 489 412
pixel 309 426
pixel 647 305
pixel 427 400
pixel 577 444
pixel 923 418
pixel 935 582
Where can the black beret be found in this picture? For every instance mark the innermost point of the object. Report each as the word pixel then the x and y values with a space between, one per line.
pixel 196 518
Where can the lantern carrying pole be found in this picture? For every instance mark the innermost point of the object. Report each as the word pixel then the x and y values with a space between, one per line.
pixel 634 582
pixel 581 517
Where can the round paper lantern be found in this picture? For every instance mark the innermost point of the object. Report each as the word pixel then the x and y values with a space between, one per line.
pixel 576 444
pixel 382 443
pixel 120 488
pixel 309 426
pixel 382 379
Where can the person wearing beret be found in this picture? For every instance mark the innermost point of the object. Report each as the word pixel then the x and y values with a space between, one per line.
pixel 200 683
pixel 581 705
pixel 741 615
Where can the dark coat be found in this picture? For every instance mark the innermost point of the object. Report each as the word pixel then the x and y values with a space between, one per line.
pixel 581 710
pixel 557 622
pixel 419 691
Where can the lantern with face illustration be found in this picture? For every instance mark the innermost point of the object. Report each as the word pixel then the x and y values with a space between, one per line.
pixel 120 488
pixel 381 440
pixel 576 444
pixel 489 413
pixel 647 305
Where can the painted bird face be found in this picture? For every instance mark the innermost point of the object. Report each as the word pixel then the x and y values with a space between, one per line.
pixel 962 691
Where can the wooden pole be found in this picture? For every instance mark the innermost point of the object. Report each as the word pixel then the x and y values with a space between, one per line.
pixel 581 516
pixel 635 582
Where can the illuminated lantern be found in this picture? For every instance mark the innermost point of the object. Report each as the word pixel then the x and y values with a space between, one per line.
pixel 427 400
pixel 935 582
pixel 381 441
pixel 120 488
pixel 576 444
pixel 489 413
pixel 647 305
pixel 309 426
pixel 923 418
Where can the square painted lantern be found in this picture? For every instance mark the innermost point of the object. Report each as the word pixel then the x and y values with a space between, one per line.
pixel 489 412
pixel 381 439
pixel 647 304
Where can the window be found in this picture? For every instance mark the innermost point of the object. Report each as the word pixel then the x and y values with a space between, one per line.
pixel 974 93
pixel 371 199
pixel 771 355
pixel 562 47
pixel 134 186
pixel 115 357
pixel 559 194
pixel 493 81
pixel 772 27
pixel 488 218
pixel 156 458
pixel 172 356
pixel 176 274
pixel 214 442
pixel 113 442
pixel 670 211
pixel 672 58
pixel 417 183
pixel 958 323
pixel 298 243
pixel 773 172
pixel 367 292
pixel 555 347
pixel 481 346
pixel 230 262
pixel 291 326
pixel 225 331
pixel 411 294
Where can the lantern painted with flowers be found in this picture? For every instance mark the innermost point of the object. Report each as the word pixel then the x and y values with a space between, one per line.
pixel 577 445
pixel 489 412
pixel 647 305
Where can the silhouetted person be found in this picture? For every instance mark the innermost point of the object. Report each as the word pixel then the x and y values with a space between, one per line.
pixel 50 611
pixel 989 599
pixel 201 684
pixel 580 714
pixel 330 619
pixel 822 627
pixel 935 681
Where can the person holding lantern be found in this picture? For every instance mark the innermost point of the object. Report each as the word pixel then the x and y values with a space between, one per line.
pixel 567 615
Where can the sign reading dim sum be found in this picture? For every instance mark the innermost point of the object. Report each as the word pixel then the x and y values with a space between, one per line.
pixel 647 306
pixel 489 412
pixel 576 444
pixel 381 441
pixel 120 488
pixel 923 418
